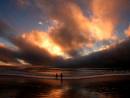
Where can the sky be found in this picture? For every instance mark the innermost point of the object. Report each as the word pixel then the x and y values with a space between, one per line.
pixel 63 28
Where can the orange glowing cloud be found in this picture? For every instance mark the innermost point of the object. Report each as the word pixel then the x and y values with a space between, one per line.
pixel 104 19
pixel 74 29
pixel 127 32
pixel 43 40
pixel 2 45
pixel 101 30
pixel 78 30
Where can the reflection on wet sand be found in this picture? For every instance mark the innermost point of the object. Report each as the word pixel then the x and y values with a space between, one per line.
pixel 72 83
pixel 38 90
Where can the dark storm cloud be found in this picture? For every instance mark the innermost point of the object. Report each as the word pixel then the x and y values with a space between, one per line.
pixel 32 53
pixel 7 55
pixel 26 51
pixel 115 57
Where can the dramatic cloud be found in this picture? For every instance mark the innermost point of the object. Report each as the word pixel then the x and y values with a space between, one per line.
pixel 75 30
pixel 44 41
pixel 32 53
pixel 26 50
pixel 75 27
pixel 127 32
pixel 109 14
pixel 7 55
pixel 114 57
pixel 71 29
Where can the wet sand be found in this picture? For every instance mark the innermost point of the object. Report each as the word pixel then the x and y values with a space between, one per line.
pixel 81 83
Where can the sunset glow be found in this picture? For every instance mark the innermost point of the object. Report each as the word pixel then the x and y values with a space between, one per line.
pixel 43 40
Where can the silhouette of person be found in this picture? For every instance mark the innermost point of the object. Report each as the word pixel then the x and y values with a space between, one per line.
pixel 56 76
pixel 61 75
pixel 61 80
